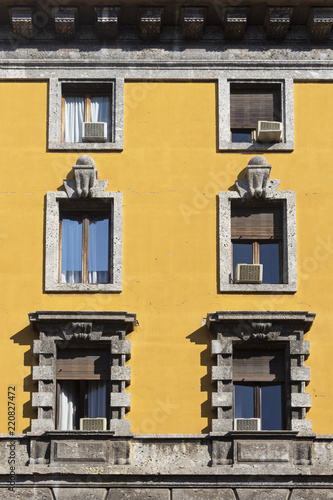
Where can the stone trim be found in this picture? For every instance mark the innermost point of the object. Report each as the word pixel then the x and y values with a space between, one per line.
pixel 289 240
pixel 54 116
pixel 59 329
pixel 85 179
pixel 287 112
pixel 249 328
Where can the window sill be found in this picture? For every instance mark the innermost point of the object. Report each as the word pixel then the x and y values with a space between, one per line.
pixel 258 288
pixel 83 287
pixel 256 146
pixel 86 146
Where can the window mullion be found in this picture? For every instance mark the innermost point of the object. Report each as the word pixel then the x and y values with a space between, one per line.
pixel 257 401
pixel 255 252
pixel 87 108
pixel 85 249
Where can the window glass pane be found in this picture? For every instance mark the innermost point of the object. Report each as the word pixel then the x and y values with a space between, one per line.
pixel 271 407
pixel 100 111
pixel 241 135
pixel 244 401
pixel 71 251
pixel 74 117
pixel 241 254
pixel 269 257
pixel 96 399
pixel 98 267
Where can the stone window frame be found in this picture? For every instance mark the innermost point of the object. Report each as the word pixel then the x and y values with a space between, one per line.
pixel 60 329
pixel 54 115
pixel 269 192
pixel 287 110
pixel 250 328
pixel 84 168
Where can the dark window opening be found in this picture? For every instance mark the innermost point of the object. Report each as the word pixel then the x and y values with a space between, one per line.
pixel 257 238
pixel 250 103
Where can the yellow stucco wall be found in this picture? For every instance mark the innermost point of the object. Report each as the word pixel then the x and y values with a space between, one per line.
pixel 170 173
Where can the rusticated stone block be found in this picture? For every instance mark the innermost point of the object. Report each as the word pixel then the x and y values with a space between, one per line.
pixel 262 451
pixel 221 347
pixel 121 373
pixel 299 347
pixel 44 399
pixel 222 399
pixel 299 400
pixel 221 373
pixel 79 493
pixel 121 347
pixel 26 494
pixel 309 494
pixel 300 373
pixel 120 427
pixel 76 451
pixel 304 426
pixel 203 494
pixel 42 373
pixel 46 346
pixel 263 494
pixel 225 425
pixel 138 494
pixel 119 400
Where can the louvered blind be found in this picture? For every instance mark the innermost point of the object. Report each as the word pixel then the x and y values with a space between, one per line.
pixel 249 105
pixel 258 366
pixel 83 364
pixel 256 223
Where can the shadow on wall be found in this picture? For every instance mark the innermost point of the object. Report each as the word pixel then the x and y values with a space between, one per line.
pixel 26 337
pixel 203 337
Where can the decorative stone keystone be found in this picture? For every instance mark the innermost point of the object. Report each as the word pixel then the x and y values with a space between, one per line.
pixel 193 21
pixel 320 24
pixel 151 23
pixel 65 21
pixel 257 183
pixel 235 22
pixel 21 19
pixel 85 181
pixel 277 22
pixel 107 21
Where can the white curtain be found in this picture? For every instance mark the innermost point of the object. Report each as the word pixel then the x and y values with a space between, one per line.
pixel 74 117
pixel 98 251
pixel 67 405
pixel 71 251
pixel 96 399
pixel 100 111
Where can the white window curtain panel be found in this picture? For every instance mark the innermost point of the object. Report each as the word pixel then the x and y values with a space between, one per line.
pixel 97 399
pixel 98 251
pixel 67 406
pixel 74 117
pixel 71 251
pixel 100 111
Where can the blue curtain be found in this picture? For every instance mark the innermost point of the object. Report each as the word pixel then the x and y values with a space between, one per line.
pixel 98 265
pixel 71 252
pixel 97 399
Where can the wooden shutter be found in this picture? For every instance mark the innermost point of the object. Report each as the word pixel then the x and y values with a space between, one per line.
pixel 258 366
pixel 83 364
pixel 256 223
pixel 248 105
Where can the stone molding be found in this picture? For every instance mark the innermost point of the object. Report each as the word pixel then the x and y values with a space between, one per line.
pixel 54 116
pixel 84 185
pixel 269 191
pixel 60 329
pixel 240 327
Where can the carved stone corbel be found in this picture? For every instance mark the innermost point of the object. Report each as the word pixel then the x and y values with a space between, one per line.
pixel 151 20
pixel 65 21
pixel 320 24
pixel 193 22
pixel 235 22
pixel 85 183
pixel 277 22
pixel 107 21
pixel 257 183
pixel 21 19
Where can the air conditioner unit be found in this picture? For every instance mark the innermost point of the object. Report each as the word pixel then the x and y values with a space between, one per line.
pixel 249 273
pixel 269 131
pixel 247 424
pixel 94 131
pixel 92 424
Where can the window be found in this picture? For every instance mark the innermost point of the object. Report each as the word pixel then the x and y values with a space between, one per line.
pixel 250 103
pixel 242 103
pixel 84 248
pixel 259 389
pixel 257 225
pixel 80 105
pixel 98 103
pixel 256 234
pixel 82 386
